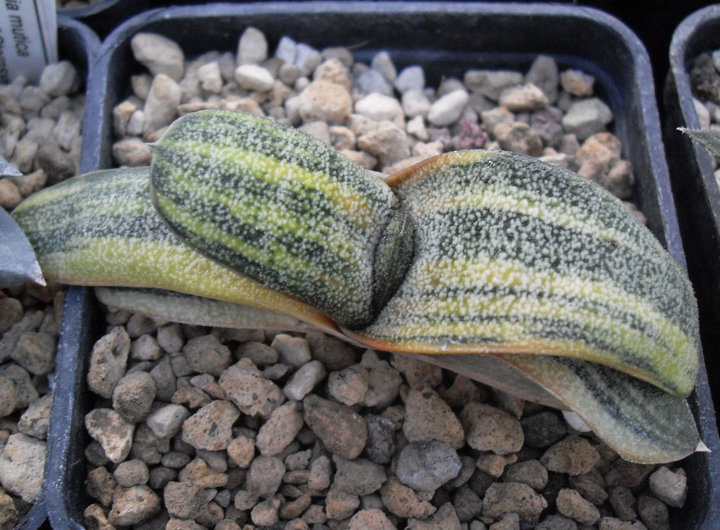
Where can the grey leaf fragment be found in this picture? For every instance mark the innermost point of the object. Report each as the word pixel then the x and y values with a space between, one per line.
pixel 17 259
pixel 708 139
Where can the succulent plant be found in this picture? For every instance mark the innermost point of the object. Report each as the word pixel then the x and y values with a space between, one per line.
pixel 513 272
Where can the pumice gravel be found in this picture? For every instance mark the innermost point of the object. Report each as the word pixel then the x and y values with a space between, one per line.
pixel 40 134
pixel 220 428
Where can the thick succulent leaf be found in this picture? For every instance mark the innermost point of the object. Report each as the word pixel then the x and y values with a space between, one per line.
pixel 17 259
pixel 640 421
pixel 708 139
pixel 283 208
pixel 516 256
pixel 189 309
pixel 101 229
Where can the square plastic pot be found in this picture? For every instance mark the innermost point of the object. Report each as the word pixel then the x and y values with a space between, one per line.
pixel 78 44
pixel 446 39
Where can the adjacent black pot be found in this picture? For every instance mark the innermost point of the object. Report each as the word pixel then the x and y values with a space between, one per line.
pixel 446 39
pixel 78 44
pixel 103 16
pixel 694 186
pixel 696 192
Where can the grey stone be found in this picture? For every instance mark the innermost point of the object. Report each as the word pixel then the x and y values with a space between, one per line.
pixel 577 83
pixel 211 427
pixel 387 142
pixel 32 100
pixel 325 101
pixel 111 431
pixel 383 381
pixel 318 129
pixel 145 348
pixel 210 77
pixel 251 393
pixel 57 164
pixel 543 74
pixel 100 485
pixel 67 129
pixel 122 113
pixel 161 104
pixel 587 117
pixel 653 512
pixel 669 486
pixel 133 505
pixel 304 380
pixel 8 396
pixel 508 497
pixel 382 62
pixel 141 85
pixel 530 472
pixel 380 446
pixel 491 429
pixel 131 152
pixel 523 98
pixel 371 81
pixel 280 429
pixel 170 338
pixel 206 355
pixel 165 382
pixel 342 430
pixel 133 396
pixel 254 77
pixel 379 107
pixel 359 476
pixel 131 473
pixel 556 522
pixel 518 137
pixel 286 49
pixel 35 352
pixel 107 362
pixel 428 417
pixel 307 59
pixel 445 517
pixel 184 499
pixel 447 109
pixel 35 420
pixel 543 429
pixel 260 354
pixel 348 386
pixel 22 466
pixel 547 124
pixel 410 78
pixel 25 391
pixel 490 83
pixel 571 504
pixel 573 455
pixel 264 476
pixel 252 47
pixel 428 465
pixel 467 503
pixel 159 54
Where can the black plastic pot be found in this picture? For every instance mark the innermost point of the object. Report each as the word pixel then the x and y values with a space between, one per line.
pixel 446 39
pixel 697 195
pixel 104 16
pixel 79 45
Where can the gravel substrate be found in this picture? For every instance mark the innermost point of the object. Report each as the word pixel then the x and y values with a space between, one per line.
pixel 705 85
pixel 217 428
pixel 40 134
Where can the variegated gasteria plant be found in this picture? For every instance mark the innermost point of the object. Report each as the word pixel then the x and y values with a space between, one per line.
pixel 510 271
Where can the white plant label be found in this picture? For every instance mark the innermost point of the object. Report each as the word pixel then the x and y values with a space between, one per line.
pixel 28 38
